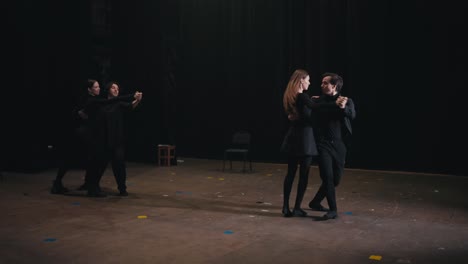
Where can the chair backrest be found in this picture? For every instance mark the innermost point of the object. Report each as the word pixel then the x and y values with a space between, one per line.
pixel 241 139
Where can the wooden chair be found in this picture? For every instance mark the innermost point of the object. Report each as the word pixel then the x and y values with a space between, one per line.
pixel 165 154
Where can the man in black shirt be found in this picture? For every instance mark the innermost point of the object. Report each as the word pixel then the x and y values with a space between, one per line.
pixel 333 129
pixel 110 131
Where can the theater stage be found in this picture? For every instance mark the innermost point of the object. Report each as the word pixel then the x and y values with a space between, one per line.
pixel 195 213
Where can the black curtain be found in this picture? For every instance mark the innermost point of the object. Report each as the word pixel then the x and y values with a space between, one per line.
pixel 208 68
pixel 45 59
pixel 402 64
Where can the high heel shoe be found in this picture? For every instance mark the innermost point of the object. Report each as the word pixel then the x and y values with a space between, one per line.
pixel 286 212
pixel 299 212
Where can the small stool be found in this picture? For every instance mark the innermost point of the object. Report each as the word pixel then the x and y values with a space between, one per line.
pixel 165 153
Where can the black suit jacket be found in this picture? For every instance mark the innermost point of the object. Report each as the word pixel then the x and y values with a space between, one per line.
pixel 349 113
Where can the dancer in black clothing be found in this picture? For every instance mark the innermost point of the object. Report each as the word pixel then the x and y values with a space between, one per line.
pixel 83 136
pixel 110 130
pixel 79 137
pixel 333 132
pixel 299 142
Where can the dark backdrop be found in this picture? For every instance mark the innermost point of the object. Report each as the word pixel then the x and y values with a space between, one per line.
pixel 210 67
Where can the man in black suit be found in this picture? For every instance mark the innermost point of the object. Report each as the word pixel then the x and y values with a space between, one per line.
pixel 110 132
pixel 332 134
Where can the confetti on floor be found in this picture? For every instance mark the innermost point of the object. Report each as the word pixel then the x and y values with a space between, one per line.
pixel 404 261
pixel 183 193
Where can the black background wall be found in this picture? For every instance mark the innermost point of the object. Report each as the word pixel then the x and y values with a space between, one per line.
pixel 210 67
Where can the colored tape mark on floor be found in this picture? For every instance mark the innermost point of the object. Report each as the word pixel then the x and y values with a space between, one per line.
pixel 375 257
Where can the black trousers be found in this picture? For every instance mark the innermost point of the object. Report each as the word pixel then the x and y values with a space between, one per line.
pixel 78 141
pixel 304 167
pixel 331 166
pixel 116 155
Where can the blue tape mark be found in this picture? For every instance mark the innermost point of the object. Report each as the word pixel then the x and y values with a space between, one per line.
pixel 348 213
pixel 228 232
pixel 49 239
pixel 76 203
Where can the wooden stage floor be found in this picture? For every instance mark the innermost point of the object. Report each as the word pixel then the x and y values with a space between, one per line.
pixel 195 213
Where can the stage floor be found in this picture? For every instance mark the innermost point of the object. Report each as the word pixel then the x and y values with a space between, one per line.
pixel 195 213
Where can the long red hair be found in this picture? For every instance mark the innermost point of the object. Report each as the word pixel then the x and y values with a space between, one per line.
pixel 292 89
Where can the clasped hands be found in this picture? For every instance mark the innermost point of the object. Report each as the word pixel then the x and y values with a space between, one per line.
pixel 340 102
pixel 138 95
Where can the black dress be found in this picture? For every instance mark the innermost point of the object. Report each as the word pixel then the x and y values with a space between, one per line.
pixel 300 140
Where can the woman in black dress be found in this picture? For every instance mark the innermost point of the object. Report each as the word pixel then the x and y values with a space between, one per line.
pixel 299 142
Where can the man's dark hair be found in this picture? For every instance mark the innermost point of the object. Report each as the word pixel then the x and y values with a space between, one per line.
pixel 109 85
pixel 335 79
